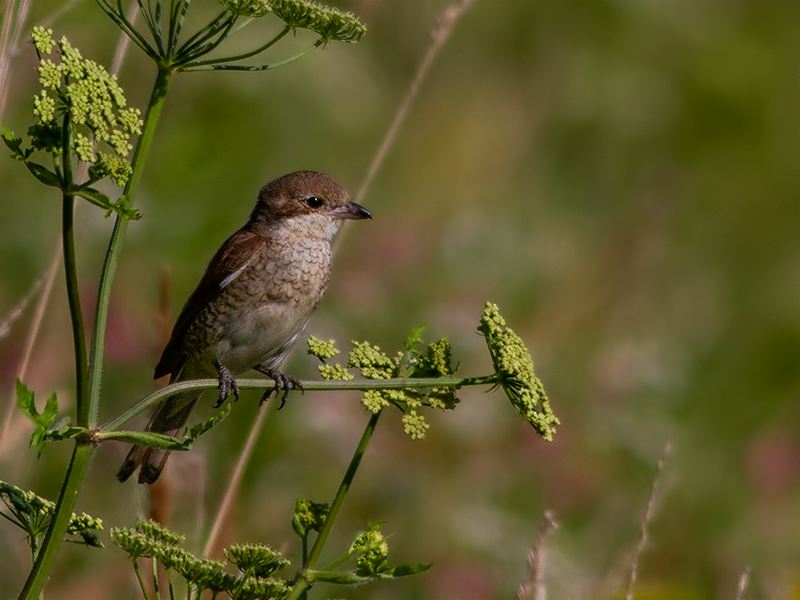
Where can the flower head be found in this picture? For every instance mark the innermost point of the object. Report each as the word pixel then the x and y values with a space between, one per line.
pixel 372 549
pixel 80 92
pixel 330 23
pixel 514 368
pixel 309 516
pixel 255 559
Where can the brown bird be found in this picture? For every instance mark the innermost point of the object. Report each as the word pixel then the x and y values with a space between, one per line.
pixel 253 302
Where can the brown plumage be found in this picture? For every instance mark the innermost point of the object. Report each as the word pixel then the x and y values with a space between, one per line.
pixel 253 301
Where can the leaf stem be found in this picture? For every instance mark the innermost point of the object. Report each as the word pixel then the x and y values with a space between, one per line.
pixel 308 386
pixel 299 589
pixel 259 50
pixel 214 66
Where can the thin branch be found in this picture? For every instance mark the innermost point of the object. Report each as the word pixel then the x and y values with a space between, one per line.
pixel 204 43
pixel 308 386
pixel 152 26
pixel 535 579
pixel 234 67
pixel 647 517
pixel 439 37
pixel 19 308
pixel 258 50
pixel 204 33
pixel 302 584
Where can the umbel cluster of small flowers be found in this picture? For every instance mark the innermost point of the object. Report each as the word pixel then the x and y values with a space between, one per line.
pixel 94 102
pixel 512 362
pixel 328 22
pixel 256 563
pixel 373 363
pixel 514 369
pixel 32 514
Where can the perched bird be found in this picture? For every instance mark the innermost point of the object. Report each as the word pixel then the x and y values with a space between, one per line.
pixel 253 302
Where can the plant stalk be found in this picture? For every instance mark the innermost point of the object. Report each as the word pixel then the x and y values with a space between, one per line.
pixel 301 586
pixel 88 399
pixel 157 96
pixel 307 386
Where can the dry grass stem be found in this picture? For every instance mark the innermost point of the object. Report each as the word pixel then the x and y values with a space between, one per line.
pixel 744 579
pixel 440 35
pixel 16 312
pixel 15 14
pixel 33 334
pixel 647 517
pixel 534 582
pixel 235 481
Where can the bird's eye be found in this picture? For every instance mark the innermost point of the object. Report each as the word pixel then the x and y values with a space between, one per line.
pixel 313 201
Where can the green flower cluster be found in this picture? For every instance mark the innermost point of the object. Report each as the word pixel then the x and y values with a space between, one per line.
pixel 514 368
pixel 324 351
pixel 435 361
pixel 32 514
pixel 256 562
pixel 372 550
pixel 255 559
pixel 328 22
pixel 309 516
pixel 92 98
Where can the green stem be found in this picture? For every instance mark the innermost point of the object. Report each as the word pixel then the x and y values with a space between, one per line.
pixel 45 559
pixel 233 67
pixel 138 572
pixel 88 400
pixel 160 88
pixel 308 386
pixel 258 50
pixel 300 587
pixel 71 274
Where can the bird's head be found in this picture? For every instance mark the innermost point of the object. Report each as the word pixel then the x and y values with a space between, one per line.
pixel 309 199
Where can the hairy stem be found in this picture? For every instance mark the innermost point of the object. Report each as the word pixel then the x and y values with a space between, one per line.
pixel 308 386
pixel 302 584
pixel 160 88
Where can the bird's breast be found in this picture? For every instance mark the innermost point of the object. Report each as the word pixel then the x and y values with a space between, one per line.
pixel 258 315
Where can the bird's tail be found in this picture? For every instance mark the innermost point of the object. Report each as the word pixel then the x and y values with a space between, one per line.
pixel 168 418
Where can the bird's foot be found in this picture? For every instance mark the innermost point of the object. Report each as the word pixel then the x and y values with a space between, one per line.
pixel 283 385
pixel 227 384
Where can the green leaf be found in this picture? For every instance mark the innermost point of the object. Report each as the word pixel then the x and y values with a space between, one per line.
pixel 414 338
pixel 199 429
pixel 14 144
pixel 43 174
pixel 43 421
pixel 404 570
pixel 96 197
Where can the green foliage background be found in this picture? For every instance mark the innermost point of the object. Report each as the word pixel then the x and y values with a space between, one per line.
pixel 620 177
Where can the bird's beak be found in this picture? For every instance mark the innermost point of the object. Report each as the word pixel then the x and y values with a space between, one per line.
pixel 352 210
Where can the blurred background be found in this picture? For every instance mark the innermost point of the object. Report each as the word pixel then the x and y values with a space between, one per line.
pixel 620 177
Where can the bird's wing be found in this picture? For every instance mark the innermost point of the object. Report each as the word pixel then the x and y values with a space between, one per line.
pixel 231 259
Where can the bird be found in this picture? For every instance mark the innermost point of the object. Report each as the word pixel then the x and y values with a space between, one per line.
pixel 253 302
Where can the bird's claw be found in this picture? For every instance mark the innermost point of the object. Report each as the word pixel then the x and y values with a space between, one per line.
pixel 283 385
pixel 227 384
